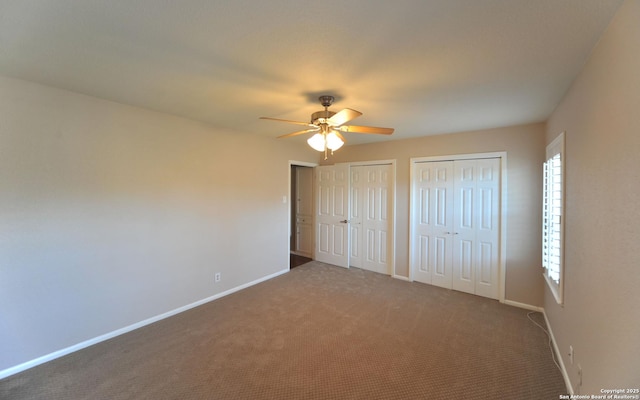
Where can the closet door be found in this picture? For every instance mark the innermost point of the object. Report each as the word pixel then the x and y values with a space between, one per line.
pixel 464 234
pixel 475 241
pixel 456 219
pixel 370 221
pixel 433 223
pixel 376 210
pixel 487 228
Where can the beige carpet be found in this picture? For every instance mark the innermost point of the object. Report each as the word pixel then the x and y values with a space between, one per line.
pixel 317 332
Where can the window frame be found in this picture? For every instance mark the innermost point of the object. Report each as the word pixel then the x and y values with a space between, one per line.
pixel 554 212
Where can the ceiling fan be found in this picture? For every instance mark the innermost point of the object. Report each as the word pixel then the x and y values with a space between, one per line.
pixel 328 126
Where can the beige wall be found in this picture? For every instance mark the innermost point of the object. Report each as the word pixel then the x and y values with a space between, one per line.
pixel 113 214
pixel 601 116
pixel 525 151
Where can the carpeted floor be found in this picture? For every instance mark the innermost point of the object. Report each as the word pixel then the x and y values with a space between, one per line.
pixel 317 332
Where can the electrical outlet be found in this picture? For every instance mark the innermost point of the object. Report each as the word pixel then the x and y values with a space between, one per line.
pixel 217 277
pixel 571 354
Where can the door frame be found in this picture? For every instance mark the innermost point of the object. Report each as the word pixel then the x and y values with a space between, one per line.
pixel 502 155
pixel 293 163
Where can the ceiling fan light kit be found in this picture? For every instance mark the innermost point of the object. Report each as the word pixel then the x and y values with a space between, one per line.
pixel 317 142
pixel 327 126
pixel 333 141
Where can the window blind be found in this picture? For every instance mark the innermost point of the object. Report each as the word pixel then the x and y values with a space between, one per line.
pixel 552 218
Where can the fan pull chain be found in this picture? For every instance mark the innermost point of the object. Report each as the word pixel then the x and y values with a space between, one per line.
pixel 324 135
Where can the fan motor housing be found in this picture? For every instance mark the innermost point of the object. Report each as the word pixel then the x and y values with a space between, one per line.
pixel 321 116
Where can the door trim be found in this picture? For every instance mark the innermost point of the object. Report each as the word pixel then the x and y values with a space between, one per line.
pixel 290 205
pixel 502 155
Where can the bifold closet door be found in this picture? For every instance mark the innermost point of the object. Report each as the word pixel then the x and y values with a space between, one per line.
pixel 370 221
pixel 476 228
pixel 433 223
pixel 456 225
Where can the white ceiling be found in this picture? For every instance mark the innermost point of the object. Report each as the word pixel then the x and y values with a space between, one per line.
pixel 420 66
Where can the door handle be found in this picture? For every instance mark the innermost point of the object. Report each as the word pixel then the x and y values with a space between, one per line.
pixel 344 221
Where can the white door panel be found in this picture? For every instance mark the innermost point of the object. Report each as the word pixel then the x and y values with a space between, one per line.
pixel 440 261
pixel 304 185
pixel 422 259
pixel 488 232
pixel 370 217
pixel 323 237
pixel 455 225
pixel 304 234
pixel 464 227
pixel 332 214
pixel 356 201
pixel 433 186
pixel 355 257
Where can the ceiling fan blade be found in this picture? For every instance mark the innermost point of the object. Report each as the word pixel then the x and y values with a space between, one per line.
pixel 344 116
pixel 338 134
pixel 366 129
pixel 288 121
pixel 298 133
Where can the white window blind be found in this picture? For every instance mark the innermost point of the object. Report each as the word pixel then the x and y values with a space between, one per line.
pixel 552 216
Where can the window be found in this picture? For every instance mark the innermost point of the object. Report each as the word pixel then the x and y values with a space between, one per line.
pixel 552 216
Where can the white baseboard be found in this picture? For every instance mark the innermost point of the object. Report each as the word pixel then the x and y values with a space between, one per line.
pixel 565 375
pixel 68 350
pixel 402 278
pixel 556 350
pixel 524 305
